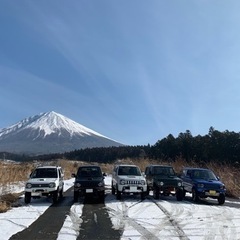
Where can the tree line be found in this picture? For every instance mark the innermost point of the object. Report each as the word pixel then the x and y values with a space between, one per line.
pixel 223 147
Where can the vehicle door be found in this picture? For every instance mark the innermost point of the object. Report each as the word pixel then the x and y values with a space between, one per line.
pixel 114 176
pixel 149 176
pixel 187 179
pixel 61 178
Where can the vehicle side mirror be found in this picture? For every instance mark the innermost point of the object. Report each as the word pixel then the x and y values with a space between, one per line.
pixel 104 174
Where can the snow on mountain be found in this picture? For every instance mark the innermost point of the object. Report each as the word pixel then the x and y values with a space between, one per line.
pixel 50 122
pixel 50 132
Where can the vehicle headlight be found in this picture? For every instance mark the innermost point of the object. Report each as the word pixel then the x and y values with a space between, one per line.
pixel 143 182
pixel 52 185
pixel 179 184
pixel 101 184
pixel 222 187
pixel 122 181
pixel 161 183
pixel 200 185
pixel 77 185
pixel 28 185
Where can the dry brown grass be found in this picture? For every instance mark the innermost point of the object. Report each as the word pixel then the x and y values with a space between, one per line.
pixel 11 173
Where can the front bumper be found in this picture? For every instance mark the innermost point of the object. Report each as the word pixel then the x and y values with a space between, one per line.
pixel 203 193
pixel 40 191
pixel 89 190
pixel 132 189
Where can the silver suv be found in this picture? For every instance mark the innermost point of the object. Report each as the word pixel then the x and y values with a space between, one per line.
pixel 45 181
pixel 128 179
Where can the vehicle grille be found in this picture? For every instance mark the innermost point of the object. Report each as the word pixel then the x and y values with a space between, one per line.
pixel 132 182
pixel 89 184
pixel 212 186
pixel 171 183
pixel 36 185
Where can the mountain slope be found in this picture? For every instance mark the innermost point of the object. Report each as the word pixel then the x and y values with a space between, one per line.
pixel 50 132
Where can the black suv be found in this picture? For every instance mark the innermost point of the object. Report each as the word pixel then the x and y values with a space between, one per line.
pixel 203 183
pixel 89 181
pixel 163 180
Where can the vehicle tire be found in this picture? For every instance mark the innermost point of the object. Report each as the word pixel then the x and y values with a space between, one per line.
pixel 61 194
pixel 143 195
pixel 195 196
pixel 179 194
pixel 55 196
pixel 75 196
pixel 148 190
pixel 119 195
pixel 156 193
pixel 113 190
pixel 221 199
pixel 102 197
pixel 27 198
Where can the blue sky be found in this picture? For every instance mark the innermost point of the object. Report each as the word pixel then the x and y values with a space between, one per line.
pixel 132 70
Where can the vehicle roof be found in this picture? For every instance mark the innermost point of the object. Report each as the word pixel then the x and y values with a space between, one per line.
pixel 89 166
pixel 196 168
pixel 126 165
pixel 159 165
pixel 48 166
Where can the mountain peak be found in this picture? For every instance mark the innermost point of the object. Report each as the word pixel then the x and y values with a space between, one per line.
pixel 51 131
pixel 50 122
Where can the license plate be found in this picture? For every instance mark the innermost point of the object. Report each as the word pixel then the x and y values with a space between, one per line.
pixel 212 192
pixel 89 190
pixel 133 189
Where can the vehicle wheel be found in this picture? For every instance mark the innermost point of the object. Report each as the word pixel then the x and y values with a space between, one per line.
pixel 195 196
pixel 119 195
pixel 156 193
pixel 221 199
pixel 179 194
pixel 61 194
pixel 113 190
pixel 27 198
pixel 143 195
pixel 55 196
pixel 102 197
pixel 75 196
pixel 148 190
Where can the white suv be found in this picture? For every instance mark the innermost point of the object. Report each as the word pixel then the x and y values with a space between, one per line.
pixel 45 181
pixel 128 179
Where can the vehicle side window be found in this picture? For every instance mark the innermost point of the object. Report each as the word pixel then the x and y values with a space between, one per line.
pixel 189 173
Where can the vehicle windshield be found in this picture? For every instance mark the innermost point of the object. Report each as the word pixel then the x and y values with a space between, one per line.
pixel 129 170
pixel 166 171
pixel 44 173
pixel 89 172
pixel 204 174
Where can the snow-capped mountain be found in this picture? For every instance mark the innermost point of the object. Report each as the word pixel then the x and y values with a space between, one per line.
pixel 50 132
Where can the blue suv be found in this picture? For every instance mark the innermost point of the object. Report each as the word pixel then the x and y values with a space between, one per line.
pixel 203 183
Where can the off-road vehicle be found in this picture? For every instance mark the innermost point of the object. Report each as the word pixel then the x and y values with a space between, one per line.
pixel 89 182
pixel 45 181
pixel 203 183
pixel 162 180
pixel 128 179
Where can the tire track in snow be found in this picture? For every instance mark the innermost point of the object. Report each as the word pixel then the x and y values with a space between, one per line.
pixel 174 223
pixel 122 216
pixel 142 230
